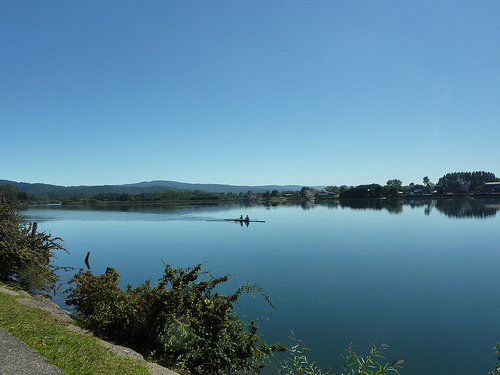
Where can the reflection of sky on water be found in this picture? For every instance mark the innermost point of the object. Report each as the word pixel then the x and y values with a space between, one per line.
pixel 419 280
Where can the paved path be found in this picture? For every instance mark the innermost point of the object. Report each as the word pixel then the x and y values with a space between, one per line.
pixel 17 358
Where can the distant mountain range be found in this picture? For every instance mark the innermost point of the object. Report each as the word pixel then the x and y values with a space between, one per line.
pixel 55 191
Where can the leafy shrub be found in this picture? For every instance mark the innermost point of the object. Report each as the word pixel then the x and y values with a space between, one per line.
pixel 180 322
pixel 26 254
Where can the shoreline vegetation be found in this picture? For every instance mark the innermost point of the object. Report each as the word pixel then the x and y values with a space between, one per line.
pixel 456 184
pixel 278 201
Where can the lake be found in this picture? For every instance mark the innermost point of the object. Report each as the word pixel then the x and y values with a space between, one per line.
pixel 422 276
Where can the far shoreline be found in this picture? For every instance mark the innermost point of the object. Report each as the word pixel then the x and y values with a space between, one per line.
pixel 318 200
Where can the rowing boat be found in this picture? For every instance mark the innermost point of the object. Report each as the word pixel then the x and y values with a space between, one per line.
pixel 245 221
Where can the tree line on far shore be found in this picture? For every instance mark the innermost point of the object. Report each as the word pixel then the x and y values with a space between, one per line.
pixel 450 183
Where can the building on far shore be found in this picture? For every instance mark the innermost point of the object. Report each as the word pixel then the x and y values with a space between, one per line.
pixel 492 187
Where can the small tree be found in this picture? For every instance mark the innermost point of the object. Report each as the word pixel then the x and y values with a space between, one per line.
pixel 26 254
pixel 428 185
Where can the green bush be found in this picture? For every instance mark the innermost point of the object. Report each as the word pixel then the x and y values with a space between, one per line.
pixel 26 254
pixel 181 322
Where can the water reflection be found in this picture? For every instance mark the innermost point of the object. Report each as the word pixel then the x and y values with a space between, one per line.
pixel 129 211
pixel 393 206
pixel 468 208
pixel 471 208
pixel 148 207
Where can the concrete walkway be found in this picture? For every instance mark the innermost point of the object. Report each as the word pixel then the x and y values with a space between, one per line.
pixel 17 358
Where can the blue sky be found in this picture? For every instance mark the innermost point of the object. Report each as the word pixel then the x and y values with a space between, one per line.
pixel 248 92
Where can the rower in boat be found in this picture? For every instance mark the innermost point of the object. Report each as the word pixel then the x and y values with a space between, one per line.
pixel 245 220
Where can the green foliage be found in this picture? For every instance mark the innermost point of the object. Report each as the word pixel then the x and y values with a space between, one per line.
pixel 298 363
pixel 26 254
pixel 363 191
pixel 496 371
pixel 394 182
pixel 156 196
pixel 354 364
pixel 428 185
pixel 391 191
pixel 266 195
pixel 181 322
pixel 474 180
pixel 12 194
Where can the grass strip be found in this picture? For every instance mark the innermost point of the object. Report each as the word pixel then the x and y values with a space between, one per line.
pixel 71 351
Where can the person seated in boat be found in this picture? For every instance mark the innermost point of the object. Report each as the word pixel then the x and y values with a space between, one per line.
pixel 247 218
pixel 241 217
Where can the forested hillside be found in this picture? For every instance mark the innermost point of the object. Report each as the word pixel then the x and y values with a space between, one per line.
pixel 56 192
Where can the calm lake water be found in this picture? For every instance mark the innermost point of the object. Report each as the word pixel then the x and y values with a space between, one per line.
pixel 421 276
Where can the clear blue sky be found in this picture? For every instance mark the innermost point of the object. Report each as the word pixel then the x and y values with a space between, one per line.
pixel 248 92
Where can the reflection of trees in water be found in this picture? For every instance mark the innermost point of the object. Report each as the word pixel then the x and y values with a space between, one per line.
pixel 459 208
pixel 394 206
pixel 469 208
pixel 427 204
pixel 483 207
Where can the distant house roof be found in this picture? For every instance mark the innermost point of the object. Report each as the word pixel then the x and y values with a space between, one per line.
pixel 492 186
